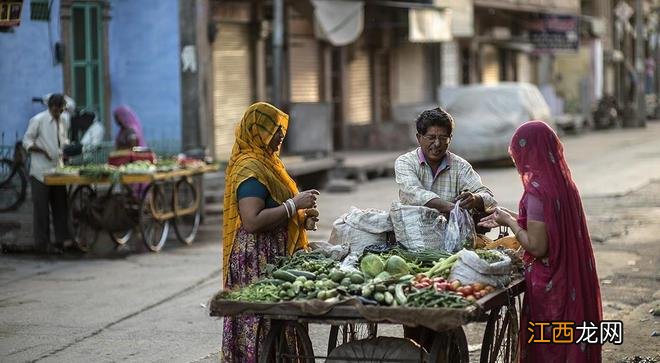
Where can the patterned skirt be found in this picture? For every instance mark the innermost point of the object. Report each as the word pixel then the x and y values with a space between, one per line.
pixel 247 263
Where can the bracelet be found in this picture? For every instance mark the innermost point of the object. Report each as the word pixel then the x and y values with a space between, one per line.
pixel 292 205
pixel 286 208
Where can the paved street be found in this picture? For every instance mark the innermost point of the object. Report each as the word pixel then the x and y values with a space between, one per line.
pixel 153 307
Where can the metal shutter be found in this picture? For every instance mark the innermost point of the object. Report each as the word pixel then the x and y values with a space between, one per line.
pixel 304 69
pixel 412 74
pixel 358 98
pixel 490 67
pixel 304 64
pixel 232 84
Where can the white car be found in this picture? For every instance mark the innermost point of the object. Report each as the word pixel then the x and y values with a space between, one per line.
pixel 487 115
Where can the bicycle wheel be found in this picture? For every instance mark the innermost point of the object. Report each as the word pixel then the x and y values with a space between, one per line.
pixel 450 346
pixel 287 341
pixel 154 231
pixel 82 232
pixel 501 335
pixel 187 196
pixel 13 186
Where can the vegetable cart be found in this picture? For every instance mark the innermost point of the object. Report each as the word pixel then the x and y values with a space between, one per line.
pixel 498 310
pixel 148 200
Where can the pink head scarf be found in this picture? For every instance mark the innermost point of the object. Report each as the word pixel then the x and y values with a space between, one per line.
pixel 565 286
pixel 129 120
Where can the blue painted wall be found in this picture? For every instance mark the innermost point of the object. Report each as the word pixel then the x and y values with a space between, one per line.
pixel 27 69
pixel 144 65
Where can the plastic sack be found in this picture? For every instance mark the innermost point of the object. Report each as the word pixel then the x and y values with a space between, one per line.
pixel 460 229
pixel 358 229
pixel 336 252
pixel 470 268
pixel 418 227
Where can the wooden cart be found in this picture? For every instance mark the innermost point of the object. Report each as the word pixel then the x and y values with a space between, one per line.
pixel 499 310
pixel 153 200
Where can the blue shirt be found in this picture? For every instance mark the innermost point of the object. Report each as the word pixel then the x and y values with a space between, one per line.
pixel 251 187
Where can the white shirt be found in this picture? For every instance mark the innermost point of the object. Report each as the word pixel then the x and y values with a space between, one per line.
pixel 93 136
pixel 49 135
pixel 418 185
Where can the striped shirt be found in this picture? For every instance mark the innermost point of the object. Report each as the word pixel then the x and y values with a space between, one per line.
pixel 418 185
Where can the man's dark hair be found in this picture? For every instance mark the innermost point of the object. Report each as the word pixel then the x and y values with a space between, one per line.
pixel 434 117
pixel 56 100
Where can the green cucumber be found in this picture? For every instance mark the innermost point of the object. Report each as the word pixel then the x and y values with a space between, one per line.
pixel 306 274
pixel 284 275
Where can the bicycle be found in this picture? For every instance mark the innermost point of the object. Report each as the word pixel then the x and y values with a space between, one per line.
pixel 13 179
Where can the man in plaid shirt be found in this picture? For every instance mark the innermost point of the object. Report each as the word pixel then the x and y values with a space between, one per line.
pixel 434 177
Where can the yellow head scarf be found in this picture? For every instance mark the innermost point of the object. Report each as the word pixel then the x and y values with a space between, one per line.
pixel 250 158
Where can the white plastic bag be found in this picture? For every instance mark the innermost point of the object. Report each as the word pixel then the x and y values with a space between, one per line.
pixel 418 227
pixel 470 268
pixel 358 229
pixel 460 229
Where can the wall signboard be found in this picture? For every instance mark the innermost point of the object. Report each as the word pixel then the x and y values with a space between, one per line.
pixel 553 32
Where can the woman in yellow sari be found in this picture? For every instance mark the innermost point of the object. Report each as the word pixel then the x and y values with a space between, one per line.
pixel 263 217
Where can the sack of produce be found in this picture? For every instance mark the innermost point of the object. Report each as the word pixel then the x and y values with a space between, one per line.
pixel 358 229
pixel 418 227
pixel 487 267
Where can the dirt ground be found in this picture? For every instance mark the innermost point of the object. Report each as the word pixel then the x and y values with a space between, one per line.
pixel 626 234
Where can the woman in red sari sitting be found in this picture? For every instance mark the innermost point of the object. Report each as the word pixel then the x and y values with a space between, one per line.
pixel 560 270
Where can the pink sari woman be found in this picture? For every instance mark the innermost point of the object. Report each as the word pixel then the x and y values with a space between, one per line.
pixel 560 270
pixel 130 129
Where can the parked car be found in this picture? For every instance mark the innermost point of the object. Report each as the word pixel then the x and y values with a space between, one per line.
pixel 487 115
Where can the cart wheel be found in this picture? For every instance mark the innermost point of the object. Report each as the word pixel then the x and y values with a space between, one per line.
pixel 348 332
pixel 121 238
pixel 83 233
pixel 280 347
pixel 450 346
pixel 500 342
pixel 186 226
pixel 154 232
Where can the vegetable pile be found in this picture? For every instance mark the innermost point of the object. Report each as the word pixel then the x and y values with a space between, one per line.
pixel 386 279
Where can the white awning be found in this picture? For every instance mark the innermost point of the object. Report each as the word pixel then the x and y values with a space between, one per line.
pixel 429 25
pixel 339 22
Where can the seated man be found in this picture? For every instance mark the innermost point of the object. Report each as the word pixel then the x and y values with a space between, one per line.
pixel 434 177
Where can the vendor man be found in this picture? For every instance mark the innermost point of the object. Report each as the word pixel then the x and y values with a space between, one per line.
pixel 44 140
pixel 432 176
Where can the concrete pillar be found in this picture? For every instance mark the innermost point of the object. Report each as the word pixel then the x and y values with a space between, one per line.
pixel 196 85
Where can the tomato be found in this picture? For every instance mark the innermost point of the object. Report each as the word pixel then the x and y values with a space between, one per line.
pixel 478 286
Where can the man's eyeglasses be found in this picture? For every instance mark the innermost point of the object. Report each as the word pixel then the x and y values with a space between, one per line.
pixel 432 138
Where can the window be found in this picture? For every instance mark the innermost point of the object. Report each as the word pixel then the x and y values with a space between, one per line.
pixel 86 56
